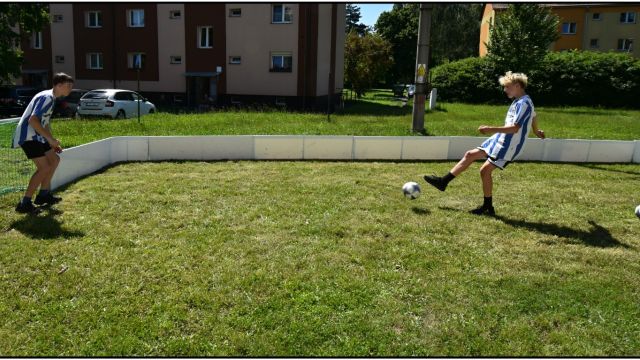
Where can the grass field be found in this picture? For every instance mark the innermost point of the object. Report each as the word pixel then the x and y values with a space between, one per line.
pixel 376 114
pixel 325 259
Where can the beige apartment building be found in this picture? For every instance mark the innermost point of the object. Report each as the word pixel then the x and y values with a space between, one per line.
pixel 583 26
pixel 286 54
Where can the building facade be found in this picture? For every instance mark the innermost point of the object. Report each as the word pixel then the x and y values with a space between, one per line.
pixel 288 54
pixel 592 26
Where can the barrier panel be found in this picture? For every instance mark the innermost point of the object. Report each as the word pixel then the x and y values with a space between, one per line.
pixel 85 159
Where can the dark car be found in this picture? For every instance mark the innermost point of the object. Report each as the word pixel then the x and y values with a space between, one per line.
pixel 14 99
pixel 68 105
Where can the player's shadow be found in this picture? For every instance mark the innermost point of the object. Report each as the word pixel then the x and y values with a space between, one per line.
pixel 420 211
pixel 598 236
pixel 44 226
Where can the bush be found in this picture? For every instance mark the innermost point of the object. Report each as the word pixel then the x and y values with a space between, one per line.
pixel 575 78
pixel 470 80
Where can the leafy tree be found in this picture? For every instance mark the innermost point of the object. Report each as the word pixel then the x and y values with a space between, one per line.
pixel 520 37
pixel 17 20
pixel 367 59
pixel 353 20
pixel 454 33
pixel 455 29
pixel 400 28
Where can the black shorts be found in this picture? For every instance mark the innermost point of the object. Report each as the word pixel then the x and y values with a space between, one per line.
pixel 35 149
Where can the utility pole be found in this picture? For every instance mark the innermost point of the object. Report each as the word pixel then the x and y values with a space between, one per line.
pixel 422 66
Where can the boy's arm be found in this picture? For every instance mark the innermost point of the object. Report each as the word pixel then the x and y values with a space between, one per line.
pixel 34 121
pixel 534 126
pixel 511 129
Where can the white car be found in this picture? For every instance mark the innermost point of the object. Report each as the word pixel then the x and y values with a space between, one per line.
pixel 115 103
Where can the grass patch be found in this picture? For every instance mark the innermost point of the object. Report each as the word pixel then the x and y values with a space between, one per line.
pixel 325 259
pixel 377 114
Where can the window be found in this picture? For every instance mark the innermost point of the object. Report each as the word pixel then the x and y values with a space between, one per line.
pixel 36 40
pixel 176 59
pixel 596 16
pixel 59 59
pixel 568 28
pixel 135 18
pixel 93 19
pixel 235 59
pixel 135 60
pixel 625 44
pixel 628 17
pixel 205 34
pixel 281 62
pixel 123 96
pixel 593 43
pixel 281 14
pixel 175 14
pixel 237 12
pixel 57 18
pixel 94 61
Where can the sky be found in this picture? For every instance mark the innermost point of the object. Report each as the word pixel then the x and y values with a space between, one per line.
pixel 369 12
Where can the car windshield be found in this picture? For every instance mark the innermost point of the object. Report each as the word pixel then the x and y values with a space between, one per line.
pixel 95 95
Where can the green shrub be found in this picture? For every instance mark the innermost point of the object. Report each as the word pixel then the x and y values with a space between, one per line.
pixel 470 80
pixel 575 78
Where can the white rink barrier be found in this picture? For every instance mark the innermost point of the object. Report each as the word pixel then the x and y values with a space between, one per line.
pixel 88 158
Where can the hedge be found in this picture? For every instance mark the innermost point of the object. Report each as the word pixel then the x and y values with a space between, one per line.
pixel 575 78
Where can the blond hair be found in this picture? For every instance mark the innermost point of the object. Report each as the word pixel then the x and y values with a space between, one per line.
pixel 510 78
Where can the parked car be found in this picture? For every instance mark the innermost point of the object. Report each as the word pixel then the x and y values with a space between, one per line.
pixel 14 99
pixel 114 103
pixel 68 105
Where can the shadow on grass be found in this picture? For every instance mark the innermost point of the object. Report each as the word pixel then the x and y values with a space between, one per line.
pixel 44 226
pixel 596 167
pixel 420 211
pixel 364 107
pixel 598 236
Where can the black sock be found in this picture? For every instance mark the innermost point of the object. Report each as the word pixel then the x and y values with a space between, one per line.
pixel 488 202
pixel 447 178
pixel 26 200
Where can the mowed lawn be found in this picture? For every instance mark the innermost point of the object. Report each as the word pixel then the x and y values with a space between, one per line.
pixel 325 259
pixel 377 114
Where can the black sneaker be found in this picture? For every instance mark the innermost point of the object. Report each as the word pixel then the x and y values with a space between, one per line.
pixel 27 209
pixel 482 210
pixel 47 199
pixel 436 181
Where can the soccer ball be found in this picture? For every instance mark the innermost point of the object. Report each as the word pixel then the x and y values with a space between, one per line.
pixel 638 211
pixel 411 190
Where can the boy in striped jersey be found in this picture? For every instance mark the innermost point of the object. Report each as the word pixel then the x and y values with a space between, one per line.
pixel 33 135
pixel 501 148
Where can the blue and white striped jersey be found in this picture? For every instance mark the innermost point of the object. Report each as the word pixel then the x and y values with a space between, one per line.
pixel 503 146
pixel 41 106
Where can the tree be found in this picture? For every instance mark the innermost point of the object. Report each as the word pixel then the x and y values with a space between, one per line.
pixel 17 20
pixel 367 59
pixel 400 28
pixel 353 20
pixel 521 37
pixel 455 29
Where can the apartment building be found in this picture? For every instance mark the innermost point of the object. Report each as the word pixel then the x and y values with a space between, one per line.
pixel 583 26
pixel 289 54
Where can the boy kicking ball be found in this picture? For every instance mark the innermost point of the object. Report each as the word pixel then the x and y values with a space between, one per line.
pixel 33 135
pixel 501 148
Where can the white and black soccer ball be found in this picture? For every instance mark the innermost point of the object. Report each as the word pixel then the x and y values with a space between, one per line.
pixel 638 211
pixel 411 190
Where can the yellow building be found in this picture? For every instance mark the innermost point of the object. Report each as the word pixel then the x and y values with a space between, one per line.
pixel 582 26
